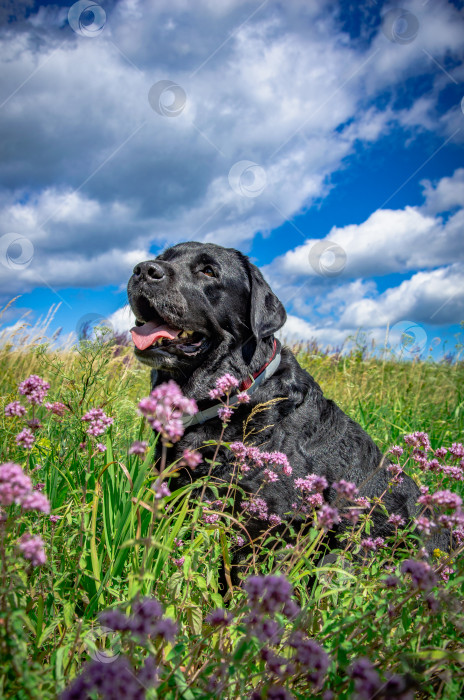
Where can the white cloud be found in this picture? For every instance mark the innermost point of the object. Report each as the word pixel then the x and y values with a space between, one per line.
pixel 391 241
pixel 435 297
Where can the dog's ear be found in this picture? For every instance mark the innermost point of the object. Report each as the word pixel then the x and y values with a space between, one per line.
pixel 267 313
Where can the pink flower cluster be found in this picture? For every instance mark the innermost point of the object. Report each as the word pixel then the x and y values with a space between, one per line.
pixel 58 408
pixel 34 388
pixel 190 459
pixel 16 487
pixel 256 506
pixel 224 386
pixel 441 501
pixel 373 544
pixel 139 447
pixel 25 439
pixel 98 421
pixel 32 547
pixel 422 575
pixel 164 409
pixel 251 457
pixel 14 409
pixel 420 443
pixel 346 489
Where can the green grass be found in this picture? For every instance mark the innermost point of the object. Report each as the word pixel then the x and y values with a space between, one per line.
pixel 115 542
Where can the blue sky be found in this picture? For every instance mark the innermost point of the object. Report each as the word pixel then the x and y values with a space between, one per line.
pixel 324 139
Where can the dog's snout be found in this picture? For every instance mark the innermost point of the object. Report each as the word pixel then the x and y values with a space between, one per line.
pixel 149 270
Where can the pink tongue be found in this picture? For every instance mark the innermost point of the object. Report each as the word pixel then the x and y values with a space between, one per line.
pixel 144 336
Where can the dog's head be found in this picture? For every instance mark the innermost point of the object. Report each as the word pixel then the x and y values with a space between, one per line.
pixel 194 297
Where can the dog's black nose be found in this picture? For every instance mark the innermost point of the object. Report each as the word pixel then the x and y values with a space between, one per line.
pixel 149 270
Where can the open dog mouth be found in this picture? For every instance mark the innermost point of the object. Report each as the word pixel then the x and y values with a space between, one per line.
pixel 159 334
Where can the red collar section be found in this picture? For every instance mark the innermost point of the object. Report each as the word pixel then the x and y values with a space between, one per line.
pixel 249 381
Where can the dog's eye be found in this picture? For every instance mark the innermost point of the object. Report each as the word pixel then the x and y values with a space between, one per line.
pixel 208 271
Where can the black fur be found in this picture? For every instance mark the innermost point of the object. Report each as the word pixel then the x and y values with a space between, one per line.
pixel 238 314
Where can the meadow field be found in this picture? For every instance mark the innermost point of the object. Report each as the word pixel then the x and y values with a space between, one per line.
pixel 109 581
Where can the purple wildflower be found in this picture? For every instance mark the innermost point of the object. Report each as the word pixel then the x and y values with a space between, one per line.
pixel 25 439
pixel 441 452
pixel 101 447
pixel 422 575
pixel 396 520
pixel 311 482
pixel 219 618
pixel 256 506
pixel 366 679
pixel 31 547
pixel 225 413
pixel 238 540
pixel 164 409
pixel 161 489
pixel 270 476
pixel 424 524
pixel 372 545
pixel 311 656
pixel 138 447
pixel 243 397
pixel 178 562
pixel 327 517
pixel 391 581
pixel 447 499
pixel 36 501
pixel 346 489
pixel 98 421
pixel 418 439
pixel 352 515
pixel 211 518
pixel 191 459
pixel 55 518
pixel 115 620
pixel 266 594
pixel 396 450
pixel 224 385
pixel 14 409
pixel 274 519
pixel 457 450
pixel 14 484
pixel 58 408
pixel 110 680
pixel 34 388
pixel 395 469
pixel 165 629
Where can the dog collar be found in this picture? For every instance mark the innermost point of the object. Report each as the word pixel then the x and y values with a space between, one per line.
pixel 249 386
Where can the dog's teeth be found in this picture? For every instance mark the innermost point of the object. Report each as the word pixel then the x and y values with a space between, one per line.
pixel 184 334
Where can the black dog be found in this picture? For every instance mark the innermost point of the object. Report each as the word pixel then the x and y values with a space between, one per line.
pixel 203 311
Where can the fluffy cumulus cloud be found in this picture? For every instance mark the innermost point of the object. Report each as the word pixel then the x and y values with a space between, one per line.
pixel 94 171
pixel 421 244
